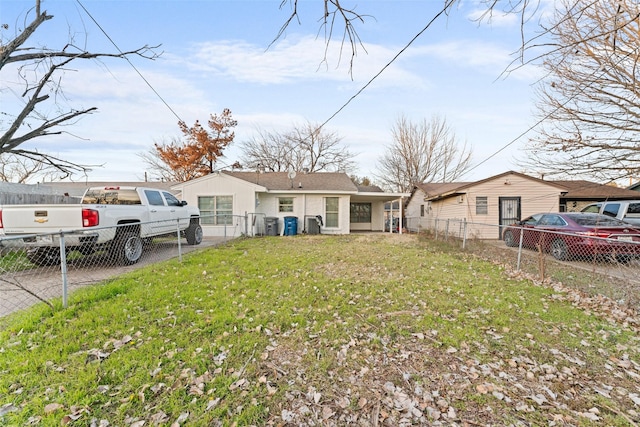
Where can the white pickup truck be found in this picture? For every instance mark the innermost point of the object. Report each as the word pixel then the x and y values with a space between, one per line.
pixel 116 219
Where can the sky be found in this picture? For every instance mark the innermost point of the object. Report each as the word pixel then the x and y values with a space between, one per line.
pixel 219 54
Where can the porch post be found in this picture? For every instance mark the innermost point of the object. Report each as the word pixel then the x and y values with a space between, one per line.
pixel 400 222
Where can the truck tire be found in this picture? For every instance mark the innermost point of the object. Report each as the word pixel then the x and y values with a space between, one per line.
pixel 44 257
pixel 193 233
pixel 126 248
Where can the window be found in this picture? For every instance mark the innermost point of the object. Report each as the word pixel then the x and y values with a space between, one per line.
pixel 285 204
pixel 611 209
pixel 421 210
pixel 594 208
pixel 154 197
pixel 112 196
pixel 552 219
pixel 482 205
pixel 215 210
pixel 171 199
pixel 332 213
pixel 360 212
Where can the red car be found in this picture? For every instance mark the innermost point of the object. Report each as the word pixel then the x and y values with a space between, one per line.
pixel 576 235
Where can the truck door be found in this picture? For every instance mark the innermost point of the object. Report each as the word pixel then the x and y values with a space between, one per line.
pixel 159 213
pixel 178 211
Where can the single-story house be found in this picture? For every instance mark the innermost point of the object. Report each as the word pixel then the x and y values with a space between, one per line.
pixel 234 203
pixel 498 200
pixel 487 205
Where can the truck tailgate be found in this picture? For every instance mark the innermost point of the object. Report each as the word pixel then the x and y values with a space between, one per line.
pixel 34 219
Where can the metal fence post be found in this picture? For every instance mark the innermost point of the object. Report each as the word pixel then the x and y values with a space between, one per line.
pixel 179 241
pixel 464 233
pixel 446 230
pixel 63 269
pixel 519 250
pixel 435 221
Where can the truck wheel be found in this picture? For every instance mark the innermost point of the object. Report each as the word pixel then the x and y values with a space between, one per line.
pixel 127 248
pixel 44 257
pixel 194 233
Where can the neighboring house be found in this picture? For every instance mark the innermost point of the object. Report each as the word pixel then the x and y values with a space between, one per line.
pixel 634 187
pixel 236 203
pixel 581 193
pixel 500 200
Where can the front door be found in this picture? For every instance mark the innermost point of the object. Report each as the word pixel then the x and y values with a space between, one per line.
pixel 509 209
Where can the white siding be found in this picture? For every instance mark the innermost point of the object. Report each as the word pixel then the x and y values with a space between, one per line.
pixel 244 202
pixel 535 197
pixel 415 222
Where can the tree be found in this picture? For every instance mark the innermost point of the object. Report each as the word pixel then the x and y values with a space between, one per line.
pixel 40 71
pixel 363 181
pixel 196 155
pixel 22 170
pixel 305 147
pixel 422 152
pixel 590 104
pixel 339 20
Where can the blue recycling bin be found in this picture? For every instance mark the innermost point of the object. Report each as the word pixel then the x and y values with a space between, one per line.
pixel 290 225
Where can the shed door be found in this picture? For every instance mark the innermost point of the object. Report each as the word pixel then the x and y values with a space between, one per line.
pixel 509 208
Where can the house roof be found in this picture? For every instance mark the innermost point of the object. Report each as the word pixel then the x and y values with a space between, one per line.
pixel 570 189
pixel 314 181
pixel 581 189
pixel 369 189
pixel 445 190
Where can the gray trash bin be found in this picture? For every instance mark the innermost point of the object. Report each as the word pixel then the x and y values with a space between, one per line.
pixel 271 225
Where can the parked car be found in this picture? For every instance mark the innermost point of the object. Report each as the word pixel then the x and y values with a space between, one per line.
pixel 576 235
pixel 624 210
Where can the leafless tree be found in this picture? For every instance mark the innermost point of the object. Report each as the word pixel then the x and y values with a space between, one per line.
pixel 340 20
pixel 40 70
pixel 589 105
pixel 23 170
pixel 304 147
pixel 422 152
pixel 158 169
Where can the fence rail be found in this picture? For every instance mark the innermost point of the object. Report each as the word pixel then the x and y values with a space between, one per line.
pixel 40 268
pixel 596 265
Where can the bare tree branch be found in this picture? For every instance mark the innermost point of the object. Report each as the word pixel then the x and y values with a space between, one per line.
pixel 423 152
pixel 304 147
pixel 37 68
pixel 591 101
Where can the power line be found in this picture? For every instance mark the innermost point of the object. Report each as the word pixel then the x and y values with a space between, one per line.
pixel 447 5
pixel 129 61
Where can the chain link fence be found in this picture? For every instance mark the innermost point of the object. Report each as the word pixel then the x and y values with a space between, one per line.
pixel 44 267
pixel 40 268
pixel 588 262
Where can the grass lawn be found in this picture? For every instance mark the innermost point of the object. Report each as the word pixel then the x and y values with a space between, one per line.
pixel 322 330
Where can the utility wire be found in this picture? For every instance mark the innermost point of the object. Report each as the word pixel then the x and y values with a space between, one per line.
pixel 447 5
pixel 129 61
